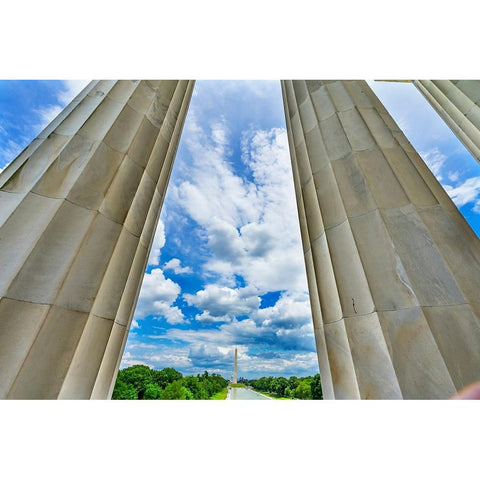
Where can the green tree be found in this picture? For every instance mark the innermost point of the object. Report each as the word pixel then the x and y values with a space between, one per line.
pixel 152 392
pixel 175 391
pixel 124 391
pixel 139 376
pixel 279 385
pixel 263 384
pixel 303 391
pixel 141 382
pixel 196 387
pixel 168 375
pixel 316 387
pixel 188 394
pixel 293 382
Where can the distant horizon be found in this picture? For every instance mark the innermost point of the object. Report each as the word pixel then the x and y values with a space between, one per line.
pixel 240 377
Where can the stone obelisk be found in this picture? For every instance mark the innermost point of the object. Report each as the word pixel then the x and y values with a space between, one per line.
pixel 393 268
pixel 458 103
pixel 78 212
pixel 235 379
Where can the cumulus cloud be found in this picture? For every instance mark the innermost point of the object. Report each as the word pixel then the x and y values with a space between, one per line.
pixel 466 192
pixel 291 311
pixel 209 188
pixel 175 265
pixel 207 356
pixel 224 241
pixel 157 244
pixel 148 354
pixel 251 226
pixel 129 359
pixel 249 334
pixel 435 160
pixel 261 350
pixel 222 303
pixel 157 296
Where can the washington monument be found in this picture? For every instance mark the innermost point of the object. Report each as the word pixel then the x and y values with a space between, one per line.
pixel 235 367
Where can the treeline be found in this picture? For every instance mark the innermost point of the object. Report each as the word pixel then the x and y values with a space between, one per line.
pixel 140 382
pixel 303 388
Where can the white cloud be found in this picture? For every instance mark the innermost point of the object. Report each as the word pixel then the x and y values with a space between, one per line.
pixel 214 347
pixel 210 188
pixel 157 296
pixel 221 303
pixel 129 359
pixel 466 192
pixel 209 355
pixel 157 245
pixel 134 325
pixel 9 151
pixel 224 240
pixel 219 134
pixel 71 89
pixel 174 264
pixel 173 315
pixel 435 160
pixel 453 176
pixel 251 227
pixel 47 114
pixel 249 334
pixel 291 311
pixel 206 318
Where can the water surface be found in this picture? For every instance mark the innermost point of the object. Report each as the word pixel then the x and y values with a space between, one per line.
pixel 246 394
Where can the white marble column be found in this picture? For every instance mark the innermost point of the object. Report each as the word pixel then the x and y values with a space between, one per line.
pixel 393 268
pixel 78 211
pixel 458 103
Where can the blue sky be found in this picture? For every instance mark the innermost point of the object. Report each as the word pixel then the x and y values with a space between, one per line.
pixel 226 267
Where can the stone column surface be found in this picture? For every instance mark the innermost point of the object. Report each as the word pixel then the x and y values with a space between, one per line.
pixel 78 212
pixel 393 268
pixel 458 103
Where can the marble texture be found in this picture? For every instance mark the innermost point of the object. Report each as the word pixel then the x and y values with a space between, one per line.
pixel 458 103
pixel 78 211
pixel 393 268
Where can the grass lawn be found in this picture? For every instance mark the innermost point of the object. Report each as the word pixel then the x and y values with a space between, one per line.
pixel 237 385
pixel 222 395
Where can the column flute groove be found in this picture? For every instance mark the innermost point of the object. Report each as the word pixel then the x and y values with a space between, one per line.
pixel 79 216
pixel 404 263
pixel 458 103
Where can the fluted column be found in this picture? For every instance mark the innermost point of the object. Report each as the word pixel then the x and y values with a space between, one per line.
pixel 393 268
pixel 458 103
pixel 78 212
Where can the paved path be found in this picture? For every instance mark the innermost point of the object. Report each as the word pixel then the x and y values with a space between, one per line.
pixel 241 393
